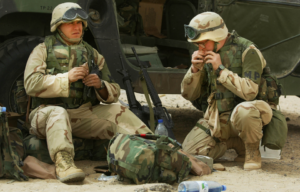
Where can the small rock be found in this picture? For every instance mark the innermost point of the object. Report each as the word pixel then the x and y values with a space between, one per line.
pixel 162 188
pixel 141 189
pixel 287 119
pixel 11 181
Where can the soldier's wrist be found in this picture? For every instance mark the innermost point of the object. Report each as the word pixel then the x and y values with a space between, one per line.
pixel 103 86
pixel 219 69
pixel 194 69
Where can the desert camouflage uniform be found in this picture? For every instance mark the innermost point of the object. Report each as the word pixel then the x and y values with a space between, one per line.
pixel 223 120
pixel 57 124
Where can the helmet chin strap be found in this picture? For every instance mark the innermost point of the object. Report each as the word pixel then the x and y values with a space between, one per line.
pixel 70 40
pixel 216 46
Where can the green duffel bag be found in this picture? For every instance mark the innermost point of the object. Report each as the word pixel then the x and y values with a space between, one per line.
pixel 145 161
pixel 275 132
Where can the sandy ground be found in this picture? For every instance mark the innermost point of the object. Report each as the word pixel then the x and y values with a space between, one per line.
pixel 275 175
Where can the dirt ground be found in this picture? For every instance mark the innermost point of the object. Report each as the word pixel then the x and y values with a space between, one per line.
pixel 276 175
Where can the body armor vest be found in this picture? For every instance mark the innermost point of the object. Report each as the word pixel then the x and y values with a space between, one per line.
pixel 231 57
pixel 58 60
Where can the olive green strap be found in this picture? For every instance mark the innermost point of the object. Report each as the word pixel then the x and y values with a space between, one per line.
pixel 163 141
pixel 206 130
pixel 146 93
pixel 132 168
pixel 183 170
pixel 225 95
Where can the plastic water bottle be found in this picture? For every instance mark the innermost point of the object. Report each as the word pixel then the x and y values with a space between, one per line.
pixel 200 186
pixel 107 178
pixel 161 129
pixel 2 109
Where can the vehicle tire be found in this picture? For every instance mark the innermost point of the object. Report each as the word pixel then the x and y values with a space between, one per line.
pixel 14 54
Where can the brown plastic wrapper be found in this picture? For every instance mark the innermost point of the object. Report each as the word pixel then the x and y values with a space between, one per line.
pixel 35 168
pixel 199 168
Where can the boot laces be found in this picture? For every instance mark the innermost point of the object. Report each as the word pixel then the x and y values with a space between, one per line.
pixel 67 158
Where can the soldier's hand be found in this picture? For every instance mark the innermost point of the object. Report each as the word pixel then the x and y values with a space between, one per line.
pixel 77 73
pixel 197 61
pixel 92 80
pixel 213 58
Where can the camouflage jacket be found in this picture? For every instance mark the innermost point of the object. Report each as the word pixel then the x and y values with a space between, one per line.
pixel 39 83
pixel 243 84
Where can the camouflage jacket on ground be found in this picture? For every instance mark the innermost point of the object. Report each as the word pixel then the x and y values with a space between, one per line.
pixel 11 151
pixel 40 83
pixel 240 79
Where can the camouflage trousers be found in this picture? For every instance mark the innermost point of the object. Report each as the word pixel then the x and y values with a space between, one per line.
pixel 245 122
pixel 57 125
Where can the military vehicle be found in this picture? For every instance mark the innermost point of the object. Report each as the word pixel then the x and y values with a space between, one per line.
pixel 271 24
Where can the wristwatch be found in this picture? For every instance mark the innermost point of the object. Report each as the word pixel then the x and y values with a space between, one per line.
pixel 102 86
pixel 220 68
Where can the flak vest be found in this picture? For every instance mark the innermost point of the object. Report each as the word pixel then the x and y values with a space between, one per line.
pixel 231 56
pixel 58 62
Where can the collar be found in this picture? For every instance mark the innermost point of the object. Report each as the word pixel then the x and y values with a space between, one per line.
pixel 59 35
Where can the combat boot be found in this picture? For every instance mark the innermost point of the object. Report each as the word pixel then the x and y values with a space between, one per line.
pixel 66 171
pixel 253 158
pixel 238 145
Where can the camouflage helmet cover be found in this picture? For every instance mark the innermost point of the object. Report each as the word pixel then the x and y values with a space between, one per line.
pixel 208 20
pixel 58 13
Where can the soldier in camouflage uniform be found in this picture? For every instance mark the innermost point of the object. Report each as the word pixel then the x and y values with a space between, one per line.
pixel 66 96
pixel 228 69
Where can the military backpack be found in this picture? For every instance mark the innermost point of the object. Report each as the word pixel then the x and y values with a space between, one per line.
pixel 11 151
pixel 146 161
pixel 275 132
pixel 129 20
pixel 269 88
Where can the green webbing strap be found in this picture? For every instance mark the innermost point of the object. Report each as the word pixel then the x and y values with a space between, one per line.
pixel 183 169
pixel 146 93
pixel 208 71
pixel 62 60
pixel 225 95
pixel 132 168
pixel 162 143
pixel 206 130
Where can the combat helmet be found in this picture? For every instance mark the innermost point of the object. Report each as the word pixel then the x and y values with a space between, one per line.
pixel 67 12
pixel 206 26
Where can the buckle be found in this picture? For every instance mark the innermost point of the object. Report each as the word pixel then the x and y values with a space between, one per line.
pixel 207 131
pixel 218 96
pixel 113 161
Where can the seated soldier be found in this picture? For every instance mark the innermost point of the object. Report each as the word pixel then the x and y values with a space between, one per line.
pixel 228 69
pixel 66 96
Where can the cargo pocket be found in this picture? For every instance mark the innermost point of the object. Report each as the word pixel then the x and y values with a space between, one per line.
pixel 38 124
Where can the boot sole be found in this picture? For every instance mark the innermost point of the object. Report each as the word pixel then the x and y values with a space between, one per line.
pixel 72 178
pixel 252 168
